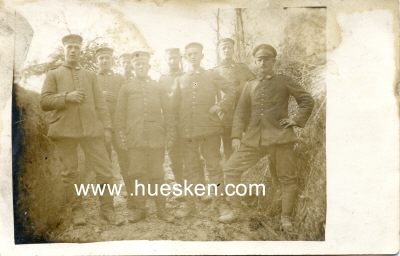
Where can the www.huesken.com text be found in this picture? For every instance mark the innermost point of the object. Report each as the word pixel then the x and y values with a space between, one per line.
pixel 165 189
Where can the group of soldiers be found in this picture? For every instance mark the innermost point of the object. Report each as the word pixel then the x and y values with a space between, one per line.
pixel 186 114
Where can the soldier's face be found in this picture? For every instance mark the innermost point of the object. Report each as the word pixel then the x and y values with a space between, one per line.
pixel 72 52
pixel 226 51
pixel 141 68
pixel 194 56
pixel 264 64
pixel 174 60
pixel 105 61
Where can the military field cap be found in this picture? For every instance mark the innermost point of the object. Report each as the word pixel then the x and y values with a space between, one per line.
pixel 104 50
pixel 264 50
pixel 172 51
pixel 223 41
pixel 194 45
pixel 140 55
pixel 72 39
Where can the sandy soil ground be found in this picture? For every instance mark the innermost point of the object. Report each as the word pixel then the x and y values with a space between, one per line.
pixel 255 224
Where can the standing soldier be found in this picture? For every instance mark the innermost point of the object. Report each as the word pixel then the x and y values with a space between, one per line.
pixel 238 74
pixel 79 117
pixel 142 119
pixel 262 115
pixel 196 107
pixel 110 84
pixel 127 65
pixel 174 60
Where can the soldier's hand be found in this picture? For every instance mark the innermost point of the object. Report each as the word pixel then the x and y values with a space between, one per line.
pixel 108 136
pixel 287 122
pixel 215 109
pixel 77 96
pixel 235 144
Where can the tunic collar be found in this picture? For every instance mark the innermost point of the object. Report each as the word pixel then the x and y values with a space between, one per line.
pixel 175 73
pixel 68 65
pixel 264 77
pixel 196 71
pixel 230 63
pixel 142 80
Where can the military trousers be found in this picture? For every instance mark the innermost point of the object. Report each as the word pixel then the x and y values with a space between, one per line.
pixel 145 167
pixel 122 158
pixel 95 152
pixel 227 142
pixel 282 167
pixel 176 158
pixel 196 149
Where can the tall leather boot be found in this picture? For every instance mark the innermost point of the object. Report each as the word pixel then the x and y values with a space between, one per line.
pixel 289 196
pixel 186 208
pixel 130 202
pixel 162 213
pixel 107 206
pixel 219 202
pixel 73 202
pixel 138 210
pixel 222 206
pixel 231 212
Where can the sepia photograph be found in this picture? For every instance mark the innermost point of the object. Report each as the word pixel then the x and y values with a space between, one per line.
pixel 112 107
pixel 200 125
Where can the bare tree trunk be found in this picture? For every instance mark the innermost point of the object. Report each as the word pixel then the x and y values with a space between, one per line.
pixel 218 34
pixel 239 35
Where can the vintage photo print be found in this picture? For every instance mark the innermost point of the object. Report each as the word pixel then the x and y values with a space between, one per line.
pixel 194 121
pixel 173 99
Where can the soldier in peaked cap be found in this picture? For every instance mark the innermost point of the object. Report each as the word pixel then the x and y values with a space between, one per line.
pixel 262 126
pixel 264 51
pixel 126 59
pixel 174 60
pixel 140 57
pixel 144 122
pixel 110 83
pixel 79 117
pixel 238 74
pixel 72 39
pixel 196 107
pixel 197 45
